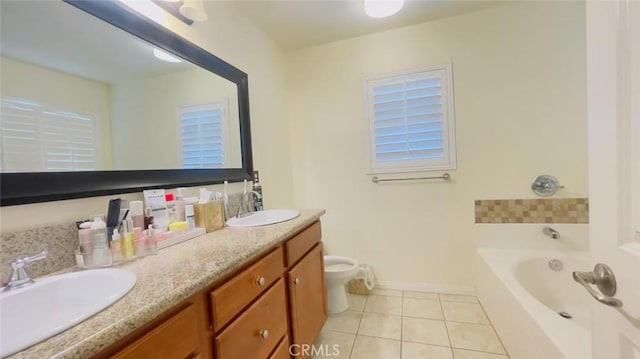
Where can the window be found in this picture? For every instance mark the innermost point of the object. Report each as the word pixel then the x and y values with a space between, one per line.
pixel 202 142
pixel 38 138
pixel 410 117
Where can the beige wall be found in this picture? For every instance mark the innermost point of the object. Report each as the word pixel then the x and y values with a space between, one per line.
pixel 63 91
pixel 519 84
pixel 237 41
pixel 151 108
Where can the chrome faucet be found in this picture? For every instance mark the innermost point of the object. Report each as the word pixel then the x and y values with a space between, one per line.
pixel 244 203
pixel 548 231
pixel 20 278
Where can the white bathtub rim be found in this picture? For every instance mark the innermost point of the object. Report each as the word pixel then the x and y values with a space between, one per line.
pixel 503 262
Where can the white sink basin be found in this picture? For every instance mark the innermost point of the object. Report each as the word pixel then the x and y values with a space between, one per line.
pixel 263 218
pixel 53 304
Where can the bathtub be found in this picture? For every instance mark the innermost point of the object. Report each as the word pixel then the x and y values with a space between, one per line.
pixel 523 297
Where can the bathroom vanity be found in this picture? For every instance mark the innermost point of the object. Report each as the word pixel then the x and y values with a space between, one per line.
pixel 234 293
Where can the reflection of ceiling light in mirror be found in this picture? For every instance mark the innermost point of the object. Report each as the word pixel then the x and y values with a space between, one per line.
pixel 382 8
pixel 194 10
pixel 148 9
pixel 164 56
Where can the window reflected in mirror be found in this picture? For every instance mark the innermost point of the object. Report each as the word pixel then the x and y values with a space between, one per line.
pixel 79 94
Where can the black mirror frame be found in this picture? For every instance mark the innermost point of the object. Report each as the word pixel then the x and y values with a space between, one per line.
pixel 34 187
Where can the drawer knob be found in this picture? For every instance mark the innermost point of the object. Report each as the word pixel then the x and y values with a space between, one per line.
pixel 296 281
pixel 264 334
pixel 261 281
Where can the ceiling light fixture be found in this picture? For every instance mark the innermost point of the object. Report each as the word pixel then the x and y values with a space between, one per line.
pixel 164 56
pixel 194 10
pixel 382 8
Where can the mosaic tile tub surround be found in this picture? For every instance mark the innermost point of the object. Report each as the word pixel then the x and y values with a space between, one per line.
pixel 539 210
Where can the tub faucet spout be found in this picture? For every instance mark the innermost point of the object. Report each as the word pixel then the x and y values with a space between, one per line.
pixel 548 231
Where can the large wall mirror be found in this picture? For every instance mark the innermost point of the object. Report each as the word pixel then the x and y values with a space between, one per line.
pixel 97 99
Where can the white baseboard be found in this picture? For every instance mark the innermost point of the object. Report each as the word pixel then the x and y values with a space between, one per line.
pixel 427 287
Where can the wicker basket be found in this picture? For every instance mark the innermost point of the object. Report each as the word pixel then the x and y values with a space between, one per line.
pixel 356 286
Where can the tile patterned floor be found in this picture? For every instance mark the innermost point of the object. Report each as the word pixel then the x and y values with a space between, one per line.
pixel 391 324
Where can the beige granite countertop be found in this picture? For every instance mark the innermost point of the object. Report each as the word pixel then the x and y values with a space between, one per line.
pixel 164 280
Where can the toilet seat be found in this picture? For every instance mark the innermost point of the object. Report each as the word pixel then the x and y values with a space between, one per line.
pixel 336 264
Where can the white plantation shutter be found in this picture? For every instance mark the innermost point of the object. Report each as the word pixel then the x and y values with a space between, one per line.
pixel 411 121
pixel 203 144
pixel 36 138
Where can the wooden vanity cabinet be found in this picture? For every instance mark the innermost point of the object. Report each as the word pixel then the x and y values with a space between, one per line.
pixel 305 281
pixel 307 301
pixel 259 311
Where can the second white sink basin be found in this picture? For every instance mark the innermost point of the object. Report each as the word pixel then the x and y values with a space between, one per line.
pixel 53 304
pixel 263 218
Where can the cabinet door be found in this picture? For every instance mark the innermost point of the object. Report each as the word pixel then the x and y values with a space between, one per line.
pixel 176 338
pixel 307 299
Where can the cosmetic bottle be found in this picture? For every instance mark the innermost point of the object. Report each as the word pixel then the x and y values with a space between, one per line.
pixel 101 252
pixel 140 244
pixel 190 217
pixel 257 188
pixel 137 214
pixel 128 250
pixel 116 246
pixel 180 204
pixel 148 217
pixel 85 239
pixel 152 240
pixel 171 208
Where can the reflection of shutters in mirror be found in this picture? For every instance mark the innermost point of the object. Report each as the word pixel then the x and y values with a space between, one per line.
pixel 202 136
pixel 38 138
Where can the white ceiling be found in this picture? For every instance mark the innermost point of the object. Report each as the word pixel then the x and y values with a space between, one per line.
pixel 296 24
pixel 56 35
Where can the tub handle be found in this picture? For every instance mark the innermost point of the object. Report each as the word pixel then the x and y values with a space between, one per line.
pixel 602 276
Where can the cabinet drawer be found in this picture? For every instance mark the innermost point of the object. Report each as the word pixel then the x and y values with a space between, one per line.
pixel 176 338
pixel 258 330
pixel 229 299
pixel 282 351
pixel 302 243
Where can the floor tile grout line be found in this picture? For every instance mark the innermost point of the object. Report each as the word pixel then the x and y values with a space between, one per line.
pixel 353 345
pixel 377 337
pixel 480 351
pixel 446 327
pixel 430 344
pixel 494 329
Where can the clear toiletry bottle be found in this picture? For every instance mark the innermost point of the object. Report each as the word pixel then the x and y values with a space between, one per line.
pixel 257 187
pixel 128 250
pixel 116 246
pixel 140 242
pixel 190 217
pixel 180 204
pixel 101 251
pixel 152 240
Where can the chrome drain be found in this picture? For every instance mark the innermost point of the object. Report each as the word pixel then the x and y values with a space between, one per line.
pixel 565 315
pixel 556 265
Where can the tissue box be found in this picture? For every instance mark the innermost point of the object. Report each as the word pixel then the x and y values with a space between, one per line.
pixel 209 216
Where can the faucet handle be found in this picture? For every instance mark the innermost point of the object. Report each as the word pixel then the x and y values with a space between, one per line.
pixel 20 278
pixel 20 262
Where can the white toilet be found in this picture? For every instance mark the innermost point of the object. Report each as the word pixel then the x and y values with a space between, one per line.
pixel 337 272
